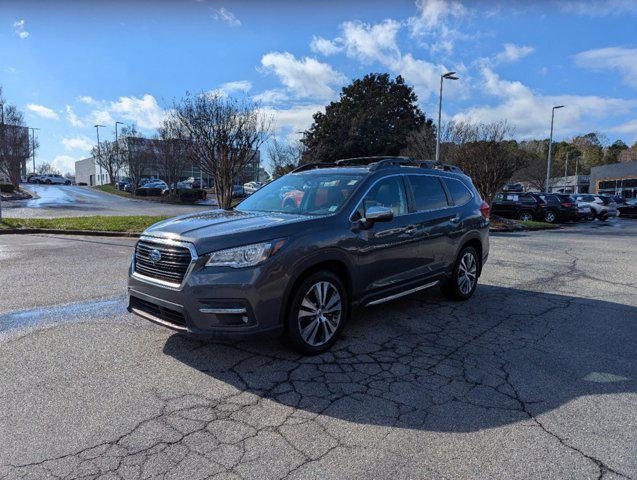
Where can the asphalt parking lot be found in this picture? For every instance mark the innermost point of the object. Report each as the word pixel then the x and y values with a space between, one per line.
pixel 534 377
pixel 73 201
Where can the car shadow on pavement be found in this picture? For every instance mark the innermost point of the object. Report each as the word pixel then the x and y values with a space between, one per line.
pixel 505 356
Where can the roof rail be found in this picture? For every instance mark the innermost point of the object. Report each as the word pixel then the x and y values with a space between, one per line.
pixel 368 160
pixel 311 166
pixel 403 161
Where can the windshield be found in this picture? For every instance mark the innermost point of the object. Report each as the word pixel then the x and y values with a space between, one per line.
pixel 307 193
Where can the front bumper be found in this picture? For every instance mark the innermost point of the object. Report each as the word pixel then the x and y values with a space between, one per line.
pixel 212 302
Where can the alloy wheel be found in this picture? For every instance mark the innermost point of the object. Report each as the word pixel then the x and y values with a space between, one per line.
pixel 467 273
pixel 320 313
pixel 525 217
pixel 550 217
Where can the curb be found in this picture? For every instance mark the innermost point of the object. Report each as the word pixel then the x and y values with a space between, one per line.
pixel 92 233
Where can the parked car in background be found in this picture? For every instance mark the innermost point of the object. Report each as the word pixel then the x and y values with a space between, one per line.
pixel 364 233
pixel 628 208
pixel 54 180
pixel 601 207
pixel 520 206
pixel 560 207
pixel 152 189
pixel 122 183
pixel 238 191
pixel 189 183
pixel 513 187
pixel 251 187
pixel 33 178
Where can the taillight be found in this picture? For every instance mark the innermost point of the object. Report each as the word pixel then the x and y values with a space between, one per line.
pixel 542 205
pixel 566 204
pixel 485 210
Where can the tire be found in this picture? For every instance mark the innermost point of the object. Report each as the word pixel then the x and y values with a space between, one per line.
pixel 455 288
pixel 315 320
pixel 48 182
pixel 592 215
pixel 526 216
pixel 550 217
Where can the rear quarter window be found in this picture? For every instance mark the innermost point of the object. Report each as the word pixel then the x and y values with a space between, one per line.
pixel 428 192
pixel 460 194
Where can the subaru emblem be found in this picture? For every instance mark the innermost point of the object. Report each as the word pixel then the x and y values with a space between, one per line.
pixel 154 255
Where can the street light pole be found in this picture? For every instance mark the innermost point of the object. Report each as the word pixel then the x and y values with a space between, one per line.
pixel 565 171
pixel 448 76
pixel 548 161
pixel 33 129
pixel 99 152
pixel 117 145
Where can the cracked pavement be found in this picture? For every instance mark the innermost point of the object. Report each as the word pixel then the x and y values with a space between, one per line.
pixel 535 377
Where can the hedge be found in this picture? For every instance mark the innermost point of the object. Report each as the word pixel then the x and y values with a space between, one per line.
pixel 6 188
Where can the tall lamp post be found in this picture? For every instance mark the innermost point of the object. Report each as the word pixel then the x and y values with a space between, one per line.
pixel 548 160
pixel 33 129
pixel 448 76
pixel 99 152
pixel 117 145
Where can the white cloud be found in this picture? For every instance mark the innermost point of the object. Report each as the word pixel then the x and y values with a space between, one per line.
pixel 64 163
pixel 78 143
pixel 513 53
pixel 619 58
pixel 144 111
pixel 11 70
pixel 229 88
pixel 530 113
pixel 326 47
pixel 431 25
pixel 226 16
pixel 88 100
pixel 599 8
pixel 42 111
pixel 270 97
pixel 629 128
pixel 369 43
pixel 18 28
pixel 304 78
pixel 72 117
pixel 295 119
pixel 378 43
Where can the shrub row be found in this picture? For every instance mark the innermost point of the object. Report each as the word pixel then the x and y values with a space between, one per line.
pixel 6 188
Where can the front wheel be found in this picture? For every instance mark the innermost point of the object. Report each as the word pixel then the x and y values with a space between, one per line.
pixel 526 216
pixel 464 278
pixel 318 313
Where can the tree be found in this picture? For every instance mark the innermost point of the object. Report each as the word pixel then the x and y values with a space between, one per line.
pixel 483 152
pixel 172 152
pixel 373 116
pixel 225 134
pixel 591 146
pixel 421 143
pixel 47 169
pixel 108 156
pixel 135 153
pixel 15 144
pixel 611 153
pixel 284 156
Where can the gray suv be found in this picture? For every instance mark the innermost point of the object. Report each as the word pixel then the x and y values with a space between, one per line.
pixel 303 252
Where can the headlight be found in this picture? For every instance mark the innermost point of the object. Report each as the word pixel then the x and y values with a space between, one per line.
pixel 244 256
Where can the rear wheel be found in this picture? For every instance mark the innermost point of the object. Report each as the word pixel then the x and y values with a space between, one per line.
pixel 526 216
pixel 550 216
pixel 464 278
pixel 592 215
pixel 318 313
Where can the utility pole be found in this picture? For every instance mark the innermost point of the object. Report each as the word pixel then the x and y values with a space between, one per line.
pixel 565 171
pixel 33 129
pixel 99 152
pixel 448 76
pixel 116 146
pixel 548 161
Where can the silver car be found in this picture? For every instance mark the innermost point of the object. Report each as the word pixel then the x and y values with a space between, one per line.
pixel 602 207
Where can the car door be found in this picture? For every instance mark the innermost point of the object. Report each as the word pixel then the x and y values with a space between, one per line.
pixel 385 250
pixel 436 223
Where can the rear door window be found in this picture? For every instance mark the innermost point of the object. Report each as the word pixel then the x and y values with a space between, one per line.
pixel 429 193
pixel 460 194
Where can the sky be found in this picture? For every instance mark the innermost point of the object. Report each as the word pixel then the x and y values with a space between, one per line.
pixel 71 64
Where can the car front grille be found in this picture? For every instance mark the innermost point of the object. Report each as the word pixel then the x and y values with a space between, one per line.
pixel 176 319
pixel 171 266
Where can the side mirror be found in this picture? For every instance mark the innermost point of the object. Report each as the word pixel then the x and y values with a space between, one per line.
pixel 379 214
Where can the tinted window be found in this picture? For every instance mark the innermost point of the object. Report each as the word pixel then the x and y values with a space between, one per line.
pixel 459 192
pixel 428 192
pixel 527 200
pixel 388 192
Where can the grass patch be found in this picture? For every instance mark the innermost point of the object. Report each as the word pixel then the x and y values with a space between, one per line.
pixel 533 225
pixel 113 190
pixel 134 224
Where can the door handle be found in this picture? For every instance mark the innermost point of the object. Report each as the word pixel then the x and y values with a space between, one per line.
pixel 455 219
pixel 411 230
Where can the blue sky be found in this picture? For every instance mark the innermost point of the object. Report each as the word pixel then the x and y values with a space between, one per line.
pixel 70 65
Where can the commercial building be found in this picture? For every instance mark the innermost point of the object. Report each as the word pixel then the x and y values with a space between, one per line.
pixel 570 184
pixel 615 179
pixel 89 172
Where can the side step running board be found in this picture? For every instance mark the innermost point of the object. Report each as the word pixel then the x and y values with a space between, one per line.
pixel 402 294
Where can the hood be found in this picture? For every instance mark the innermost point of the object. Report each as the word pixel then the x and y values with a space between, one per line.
pixel 216 229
